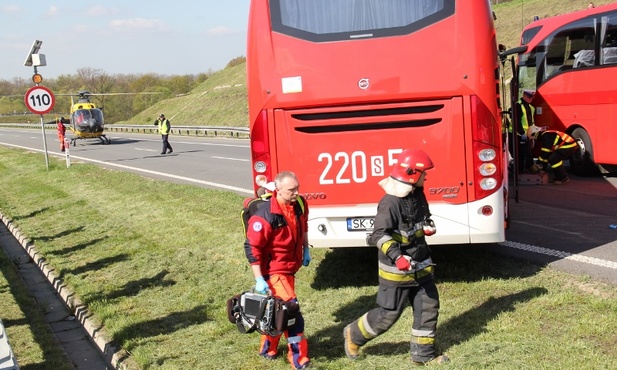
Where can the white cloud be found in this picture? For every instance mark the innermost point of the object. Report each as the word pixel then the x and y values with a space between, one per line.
pixel 136 23
pixel 221 31
pixel 7 9
pixel 97 10
pixel 52 11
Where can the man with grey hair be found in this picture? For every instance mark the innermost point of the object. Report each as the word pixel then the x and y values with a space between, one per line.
pixel 277 246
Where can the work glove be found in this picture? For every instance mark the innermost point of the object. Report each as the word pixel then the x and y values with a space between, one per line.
pixel 429 227
pixel 261 286
pixel 404 263
pixel 307 257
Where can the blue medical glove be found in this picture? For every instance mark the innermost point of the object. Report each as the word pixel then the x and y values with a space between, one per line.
pixel 307 257
pixel 261 286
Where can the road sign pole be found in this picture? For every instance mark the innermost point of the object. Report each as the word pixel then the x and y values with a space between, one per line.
pixel 41 100
pixel 44 143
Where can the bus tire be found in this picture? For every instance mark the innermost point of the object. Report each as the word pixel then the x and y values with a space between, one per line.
pixel 582 163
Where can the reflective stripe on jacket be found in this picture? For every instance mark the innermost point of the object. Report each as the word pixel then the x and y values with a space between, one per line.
pixel 395 234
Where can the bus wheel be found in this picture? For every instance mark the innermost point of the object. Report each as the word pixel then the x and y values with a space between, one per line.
pixel 581 162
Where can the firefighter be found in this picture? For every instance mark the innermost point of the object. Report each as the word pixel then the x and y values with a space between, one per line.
pixel 405 266
pixel 61 132
pixel 555 147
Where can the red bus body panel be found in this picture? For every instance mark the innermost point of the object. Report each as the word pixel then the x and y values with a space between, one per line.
pixel 339 112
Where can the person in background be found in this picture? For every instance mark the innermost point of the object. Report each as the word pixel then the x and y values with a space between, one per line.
pixel 164 129
pixel 61 133
pixel 591 6
pixel 525 118
pixel 276 246
pixel 404 259
pixel 555 147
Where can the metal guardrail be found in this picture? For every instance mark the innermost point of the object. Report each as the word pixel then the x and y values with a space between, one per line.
pixel 238 132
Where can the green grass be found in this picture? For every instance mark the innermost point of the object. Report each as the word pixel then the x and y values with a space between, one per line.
pixel 155 263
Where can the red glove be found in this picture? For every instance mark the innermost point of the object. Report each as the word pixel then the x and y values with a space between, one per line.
pixel 403 263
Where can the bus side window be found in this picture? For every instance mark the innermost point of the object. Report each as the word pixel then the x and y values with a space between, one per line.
pixel 584 58
pixel 609 46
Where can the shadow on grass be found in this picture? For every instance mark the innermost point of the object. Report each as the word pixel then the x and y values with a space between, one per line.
pixel 77 247
pixel 31 214
pixel 132 288
pixel 357 267
pixel 344 267
pixel 328 343
pixel 96 265
pixel 59 235
pixel 473 322
pixel 165 325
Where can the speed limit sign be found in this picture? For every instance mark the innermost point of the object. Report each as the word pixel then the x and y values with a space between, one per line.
pixel 39 99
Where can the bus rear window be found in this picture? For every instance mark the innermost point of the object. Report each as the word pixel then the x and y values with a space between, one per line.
pixel 338 20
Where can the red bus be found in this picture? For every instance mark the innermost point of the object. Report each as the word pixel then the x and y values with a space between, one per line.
pixel 338 88
pixel 571 62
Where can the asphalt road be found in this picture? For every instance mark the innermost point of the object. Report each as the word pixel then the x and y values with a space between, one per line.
pixel 213 162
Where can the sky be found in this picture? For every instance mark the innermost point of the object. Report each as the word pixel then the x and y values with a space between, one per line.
pixel 166 37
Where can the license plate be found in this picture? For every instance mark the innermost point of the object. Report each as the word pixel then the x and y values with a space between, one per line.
pixel 360 223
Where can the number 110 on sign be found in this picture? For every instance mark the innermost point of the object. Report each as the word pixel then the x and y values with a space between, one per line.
pixel 39 100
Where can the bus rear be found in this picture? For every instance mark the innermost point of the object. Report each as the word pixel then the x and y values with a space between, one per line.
pixel 338 88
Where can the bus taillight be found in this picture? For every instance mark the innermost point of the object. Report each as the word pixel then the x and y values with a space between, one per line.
pixel 486 139
pixel 260 150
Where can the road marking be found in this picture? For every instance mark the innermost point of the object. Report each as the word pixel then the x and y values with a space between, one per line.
pixel 561 254
pixel 183 178
pixel 188 142
pixel 231 159
pixel 145 150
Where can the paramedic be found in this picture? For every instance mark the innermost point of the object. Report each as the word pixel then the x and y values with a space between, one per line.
pixel 61 133
pixel 276 246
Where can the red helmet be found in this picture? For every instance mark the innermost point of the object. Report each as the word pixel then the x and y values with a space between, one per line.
pixel 410 164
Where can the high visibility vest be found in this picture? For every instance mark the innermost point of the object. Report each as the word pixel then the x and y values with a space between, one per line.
pixel 164 127
pixel 525 121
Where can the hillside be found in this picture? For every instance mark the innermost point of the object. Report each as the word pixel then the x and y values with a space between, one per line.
pixel 222 99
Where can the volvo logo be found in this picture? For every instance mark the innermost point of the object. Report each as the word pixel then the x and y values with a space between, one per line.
pixel 309 196
pixel 363 83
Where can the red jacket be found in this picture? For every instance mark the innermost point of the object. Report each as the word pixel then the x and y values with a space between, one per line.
pixel 269 240
pixel 61 128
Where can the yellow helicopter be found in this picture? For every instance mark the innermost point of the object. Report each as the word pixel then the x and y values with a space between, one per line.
pixel 86 120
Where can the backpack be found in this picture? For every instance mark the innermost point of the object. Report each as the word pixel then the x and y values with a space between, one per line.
pixel 251 205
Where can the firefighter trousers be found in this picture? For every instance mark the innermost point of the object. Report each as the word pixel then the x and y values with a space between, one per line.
pixel 556 158
pixel 392 300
